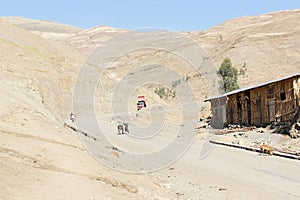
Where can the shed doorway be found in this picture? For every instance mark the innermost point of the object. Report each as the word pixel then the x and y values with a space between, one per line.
pixel 271 106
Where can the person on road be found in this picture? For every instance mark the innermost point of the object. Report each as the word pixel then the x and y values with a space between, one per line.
pixel 72 117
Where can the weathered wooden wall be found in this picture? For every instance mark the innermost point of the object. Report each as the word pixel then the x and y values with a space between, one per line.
pixel 262 105
pixel 218 107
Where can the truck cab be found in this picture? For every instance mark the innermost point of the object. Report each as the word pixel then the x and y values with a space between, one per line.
pixel 141 102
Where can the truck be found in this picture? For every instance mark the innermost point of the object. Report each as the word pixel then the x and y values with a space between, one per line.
pixel 141 102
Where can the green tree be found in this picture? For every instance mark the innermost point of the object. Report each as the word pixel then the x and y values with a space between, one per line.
pixel 229 76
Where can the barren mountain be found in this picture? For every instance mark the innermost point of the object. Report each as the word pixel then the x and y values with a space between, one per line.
pixel 267 46
pixel 258 44
pixel 47 29
pixel 40 61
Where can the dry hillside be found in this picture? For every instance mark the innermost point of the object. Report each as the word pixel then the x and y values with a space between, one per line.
pixel 267 46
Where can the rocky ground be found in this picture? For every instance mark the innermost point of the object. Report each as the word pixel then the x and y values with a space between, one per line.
pixel 258 136
pixel 282 137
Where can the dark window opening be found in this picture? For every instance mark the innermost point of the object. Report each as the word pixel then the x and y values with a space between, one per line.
pixel 231 116
pixel 259 109
pixel 270 94
pixel 282 96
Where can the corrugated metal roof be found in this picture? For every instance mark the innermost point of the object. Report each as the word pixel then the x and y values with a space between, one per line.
pixel 251 87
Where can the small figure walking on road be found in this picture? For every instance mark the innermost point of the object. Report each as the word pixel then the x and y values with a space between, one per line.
pixel 72 117
pixel 122 128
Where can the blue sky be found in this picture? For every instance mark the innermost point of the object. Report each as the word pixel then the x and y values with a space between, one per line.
pixel 132 14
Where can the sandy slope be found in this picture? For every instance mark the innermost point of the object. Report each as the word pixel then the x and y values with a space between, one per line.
pixel 40 158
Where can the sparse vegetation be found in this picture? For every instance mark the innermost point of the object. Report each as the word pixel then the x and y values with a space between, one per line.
pixel 164 92
pixel 243 70
pixel 32 48
pixel 175 83
pixel 160 91
pixel 179 81
pixel 186 78
pixel 229 76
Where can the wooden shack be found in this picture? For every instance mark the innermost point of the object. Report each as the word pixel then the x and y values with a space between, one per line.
pixel 259 105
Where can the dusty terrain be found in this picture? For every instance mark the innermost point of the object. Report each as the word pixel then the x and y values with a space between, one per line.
pixel 42 159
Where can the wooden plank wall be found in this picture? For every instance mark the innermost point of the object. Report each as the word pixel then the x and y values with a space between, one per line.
pixel 296 84
pixel 218 107
pixel 273 102
pixel 286 101
pixel 256 105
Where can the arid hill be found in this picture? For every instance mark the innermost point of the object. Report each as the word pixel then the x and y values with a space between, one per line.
pixel 267 46
pixel 47 29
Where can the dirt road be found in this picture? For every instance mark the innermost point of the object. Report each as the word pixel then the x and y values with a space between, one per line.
pixel 228 173
pixel 224 173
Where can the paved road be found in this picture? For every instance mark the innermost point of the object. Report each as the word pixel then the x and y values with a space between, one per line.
pixel 244 174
